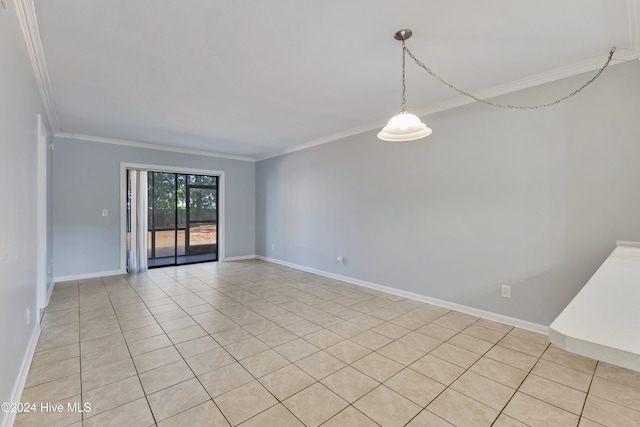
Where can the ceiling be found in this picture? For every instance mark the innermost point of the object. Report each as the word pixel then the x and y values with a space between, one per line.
pixel 259 78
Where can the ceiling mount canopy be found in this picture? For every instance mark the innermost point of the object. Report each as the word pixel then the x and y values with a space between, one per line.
pixel 404 126
pixel 403 34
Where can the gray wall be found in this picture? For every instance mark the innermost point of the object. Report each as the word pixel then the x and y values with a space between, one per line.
pixel 19 106
pixel 533 199
pixel 86 179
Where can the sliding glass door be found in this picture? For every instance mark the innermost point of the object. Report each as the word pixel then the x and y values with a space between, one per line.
pixel 183 218
pixel 163 226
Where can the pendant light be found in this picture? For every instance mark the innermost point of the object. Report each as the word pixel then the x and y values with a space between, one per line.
pixel 404 126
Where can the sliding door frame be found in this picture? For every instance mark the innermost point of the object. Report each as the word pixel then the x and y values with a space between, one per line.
pixel 170 169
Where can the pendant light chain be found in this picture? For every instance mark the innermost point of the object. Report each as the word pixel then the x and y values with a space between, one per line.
pixel 404 86
pixel 484 101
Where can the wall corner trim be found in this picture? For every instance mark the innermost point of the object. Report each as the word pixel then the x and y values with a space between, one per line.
pixel 7 418
pixel 50 285
pixel 512 321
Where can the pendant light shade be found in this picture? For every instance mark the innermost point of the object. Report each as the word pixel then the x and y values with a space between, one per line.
pixel 404 127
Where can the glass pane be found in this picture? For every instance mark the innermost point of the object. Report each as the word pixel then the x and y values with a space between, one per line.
pixel 165 243
pixel 202 204
pixel 202 234
pixel 178 201
pixel 203 180
pixel 163 213
pixel 164 201
pixel 181 242
pixel 182 201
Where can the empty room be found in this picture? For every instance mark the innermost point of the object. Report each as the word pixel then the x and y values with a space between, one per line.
pixel 305 213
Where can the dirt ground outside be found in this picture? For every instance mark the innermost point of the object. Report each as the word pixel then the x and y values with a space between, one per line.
pixel 204 234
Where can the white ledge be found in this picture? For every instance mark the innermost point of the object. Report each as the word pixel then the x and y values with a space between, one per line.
pixel 603 320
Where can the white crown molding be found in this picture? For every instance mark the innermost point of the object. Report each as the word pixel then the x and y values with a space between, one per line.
pixel 29 23
pixel 151 146
pixel 329 138
pixel 503 89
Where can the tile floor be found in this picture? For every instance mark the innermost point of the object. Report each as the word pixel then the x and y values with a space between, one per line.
pixel 256 344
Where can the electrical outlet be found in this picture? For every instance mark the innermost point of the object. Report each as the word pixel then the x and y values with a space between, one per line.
pixel 506 291
pixel 340 260
pixel 105 212
pixel 273 246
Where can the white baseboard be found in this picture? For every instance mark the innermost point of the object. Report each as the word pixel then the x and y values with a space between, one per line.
pixel 89 275
pixel 7 418
pixel 239 258
pixel 512 321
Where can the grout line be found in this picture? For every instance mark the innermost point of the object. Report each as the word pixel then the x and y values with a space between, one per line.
pixel 584 404
pixel 182 358
pixel 520 385
pixel 153 416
